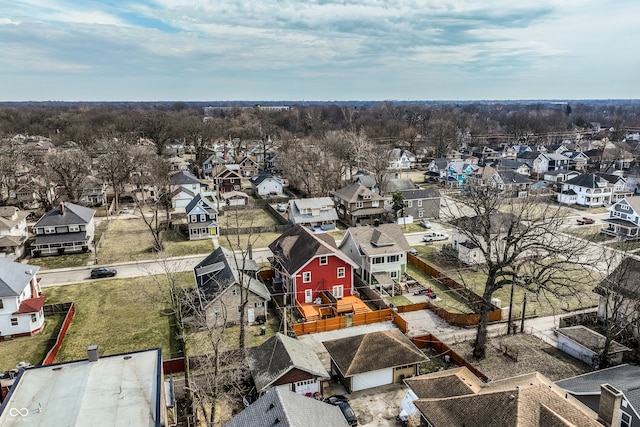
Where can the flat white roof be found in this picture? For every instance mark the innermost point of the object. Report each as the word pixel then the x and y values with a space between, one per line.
pixel 113 391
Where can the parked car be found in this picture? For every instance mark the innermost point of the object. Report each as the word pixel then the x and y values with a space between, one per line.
pixel 281 207
pixel 413 251
pixel 101 272
pixel 124 210
pixel 425 223
pixel 432 237
pixel 585 220
pixel 342 403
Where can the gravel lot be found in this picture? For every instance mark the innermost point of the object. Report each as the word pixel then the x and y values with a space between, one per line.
pixel 533 355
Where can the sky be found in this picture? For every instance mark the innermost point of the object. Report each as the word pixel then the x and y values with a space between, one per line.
pixel 318 50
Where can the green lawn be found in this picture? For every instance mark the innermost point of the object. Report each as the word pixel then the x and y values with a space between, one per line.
pixel 398 300
pixel 29 349
pixel 590 233
pixel 61 261
pixel 246 218
pixel 241 241
pixel 542 304
pixel 120 315
pixel 198 342
pixel 447 299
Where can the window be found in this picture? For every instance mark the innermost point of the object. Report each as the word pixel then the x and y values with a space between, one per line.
pixel 625 419
pixel 236 187
pixel 324 260
pixel 259 304
pixel 393 258
pixel 421 213
pixel 34 318
pixel 239 309
pixel 374 203
pixel 49 230
pixel 393 274
pixel 14 321
pixel 203 217
pixel 341 272
pixel 409 203
pixel 359 205
pixel 306 277
pixel 235 292
pixel 1 304
pixel 217 312
pixel 74 228
pixel 378 260
pixel 419 203
pixel 338 291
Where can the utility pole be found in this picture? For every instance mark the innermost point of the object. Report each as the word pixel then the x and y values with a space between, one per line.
pixel 524 309
pixel 510 309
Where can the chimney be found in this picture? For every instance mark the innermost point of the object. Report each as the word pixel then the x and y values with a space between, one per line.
pixel 609 406
pixel 32 284
pixel 61 208
pixel 376 222
pixel 92 353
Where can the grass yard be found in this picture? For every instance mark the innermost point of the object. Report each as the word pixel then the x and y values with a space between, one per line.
pixel 198 343
pixel 241 218
pixel 29 349
pixel 590 233
pixel 61 261
pixel 448 300
pixel 398 300
pixel 120 315
pixel 130 240
pixel 543 304
pixel 235 242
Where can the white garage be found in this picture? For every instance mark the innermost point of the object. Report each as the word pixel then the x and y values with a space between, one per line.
pixel 372 379
pixel 371 360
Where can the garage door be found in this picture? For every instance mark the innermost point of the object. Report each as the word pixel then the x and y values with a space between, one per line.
pixel 307 386
pixel 372 379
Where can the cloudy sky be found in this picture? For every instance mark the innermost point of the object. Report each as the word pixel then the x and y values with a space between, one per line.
pixel 215 50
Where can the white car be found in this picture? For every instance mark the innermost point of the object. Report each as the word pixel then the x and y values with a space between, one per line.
pixel 282 207
pixel 425 223
pixel 432 237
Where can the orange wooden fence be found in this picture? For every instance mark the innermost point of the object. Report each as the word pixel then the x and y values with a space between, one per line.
pixel 51 355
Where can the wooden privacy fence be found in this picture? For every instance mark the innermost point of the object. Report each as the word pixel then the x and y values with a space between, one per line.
pixel 339 322
pixel 473 300
pixel 441 349
pixel 56 308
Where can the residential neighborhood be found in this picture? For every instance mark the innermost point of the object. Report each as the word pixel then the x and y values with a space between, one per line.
pixel 253 279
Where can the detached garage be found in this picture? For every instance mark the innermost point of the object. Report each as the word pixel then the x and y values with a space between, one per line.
pixel 372 360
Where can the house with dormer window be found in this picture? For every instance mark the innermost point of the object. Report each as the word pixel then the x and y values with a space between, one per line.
pixel 13 232
pixel 21 300
pixel 202 218
pixel 68 228
pixel 624 219
pixel 184 187
pixel 619 184
pixel 380 251
pixel 586 190
pixel 357 205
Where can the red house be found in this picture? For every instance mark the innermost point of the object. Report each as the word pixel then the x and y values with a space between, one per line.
pixel 314 273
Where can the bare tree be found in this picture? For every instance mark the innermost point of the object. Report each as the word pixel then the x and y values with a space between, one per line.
pixel 69 168
pixel 378 165
pixel 155 212
pixel 10 164
pixel 619 302
pixel 520 244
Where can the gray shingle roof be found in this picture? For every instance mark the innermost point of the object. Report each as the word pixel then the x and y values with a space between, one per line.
pixel 14 277
pixel 587 180
pixel 421 193
pixel 281 407
pixel 373 351
pixel 218 272
pixel 203 204
pixel 183 177
pixel 73 215
pixel 625 378
pixel 590 339
pixel 296 246
pixel 277 356
pixel 364 236
pixel 355 192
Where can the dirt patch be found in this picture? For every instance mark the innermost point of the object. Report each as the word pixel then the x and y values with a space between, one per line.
pixel 512 355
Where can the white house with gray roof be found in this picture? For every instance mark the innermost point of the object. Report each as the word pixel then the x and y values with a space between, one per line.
pixel 13 232
pixel 624 219
pixel 379 251
pixel 21 300
pixel 68 228
pixel 586 190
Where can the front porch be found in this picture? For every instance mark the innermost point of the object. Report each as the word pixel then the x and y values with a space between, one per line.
pixel 621 228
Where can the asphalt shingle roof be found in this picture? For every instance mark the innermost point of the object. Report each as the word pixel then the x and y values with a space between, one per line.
pixel 73 215
pixel 280 407
pixel 15 277
pixel 373 351
pixel 277 356
pixel 366 237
